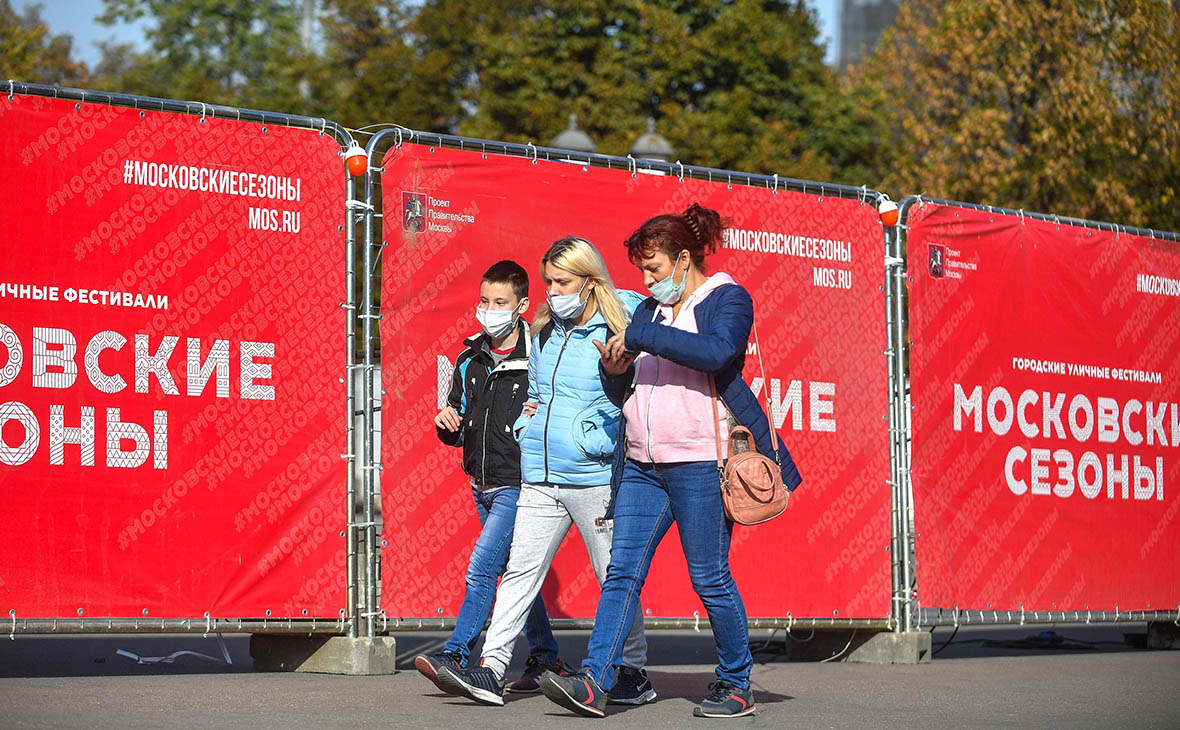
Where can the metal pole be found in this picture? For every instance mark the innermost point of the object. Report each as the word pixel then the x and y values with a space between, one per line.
pixel 896 546
pixel 350 405
pixel 368 464
pixel 903 469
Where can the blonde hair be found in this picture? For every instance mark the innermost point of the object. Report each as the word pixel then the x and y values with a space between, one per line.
pixel 579 257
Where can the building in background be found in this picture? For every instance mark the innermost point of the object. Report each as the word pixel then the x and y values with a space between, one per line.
pixel 861 24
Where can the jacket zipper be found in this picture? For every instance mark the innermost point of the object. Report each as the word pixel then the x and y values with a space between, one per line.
pixel 483 456
pixel 647 421
pixel 549 411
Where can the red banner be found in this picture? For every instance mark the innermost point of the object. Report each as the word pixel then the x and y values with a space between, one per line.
pixel 813 266
pixel 171 416
pixel 1045 379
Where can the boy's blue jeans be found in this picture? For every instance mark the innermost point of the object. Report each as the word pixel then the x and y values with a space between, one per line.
pixel 650 498
pixel 497 514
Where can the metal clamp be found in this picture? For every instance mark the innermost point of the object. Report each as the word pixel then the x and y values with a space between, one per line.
pixel 12 611
pixel 533 147
pixel 11 88
pixel 681 176
pixel 631 164
pixel 358 205
pixel 696 626
pixel 202 111
pixel 774 190
pixel 397 144
pixel 208 625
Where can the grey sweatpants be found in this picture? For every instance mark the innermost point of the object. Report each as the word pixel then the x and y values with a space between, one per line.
pixel 544 514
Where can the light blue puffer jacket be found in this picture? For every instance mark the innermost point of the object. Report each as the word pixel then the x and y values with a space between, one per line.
pixel 571 438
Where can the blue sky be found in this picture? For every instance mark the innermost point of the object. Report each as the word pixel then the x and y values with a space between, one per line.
pixel 77 18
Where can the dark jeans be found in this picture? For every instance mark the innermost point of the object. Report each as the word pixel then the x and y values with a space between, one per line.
pixel 652 497
pixel 497 514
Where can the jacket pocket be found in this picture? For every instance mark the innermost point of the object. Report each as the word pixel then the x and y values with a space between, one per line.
pixel 596 430
pixel 521 427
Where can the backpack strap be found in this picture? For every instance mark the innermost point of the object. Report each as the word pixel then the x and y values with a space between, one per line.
pixel 543 335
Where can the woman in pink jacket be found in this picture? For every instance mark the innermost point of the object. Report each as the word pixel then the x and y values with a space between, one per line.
pixel 693 328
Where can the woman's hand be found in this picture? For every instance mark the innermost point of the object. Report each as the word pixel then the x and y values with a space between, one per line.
pixel 614 355
pixel 448 419
pixel 529 408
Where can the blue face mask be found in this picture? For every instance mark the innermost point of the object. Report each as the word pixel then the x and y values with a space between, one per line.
pixel 569 306
pixel 668 292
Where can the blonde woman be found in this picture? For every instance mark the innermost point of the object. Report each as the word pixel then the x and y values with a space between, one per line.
pixel 567 436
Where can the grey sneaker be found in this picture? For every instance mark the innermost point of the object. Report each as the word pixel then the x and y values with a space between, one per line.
pixel 429 665
pixel 533 668
pixel 725 700
pixel 477 683
pixel 632 687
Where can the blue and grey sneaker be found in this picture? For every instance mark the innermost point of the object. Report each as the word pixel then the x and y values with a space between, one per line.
pixel 632 687
pixel 578 692
pixel 481 684
pixel 429 665
pixel 725 700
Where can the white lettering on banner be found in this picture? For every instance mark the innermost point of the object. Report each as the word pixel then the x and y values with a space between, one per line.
pixel 128 444
pixel 269 219
pixel 60 435
pixel 1041 471
pixel 53 348
pixel 1098 372
pixel 785 244
pixel 101 297
pixel 252 370
pixel 821 403
pixel 199 374
pixel 211 180
pixel 1152 284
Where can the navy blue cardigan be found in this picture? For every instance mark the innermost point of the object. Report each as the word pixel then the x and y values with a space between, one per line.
pixel 724 319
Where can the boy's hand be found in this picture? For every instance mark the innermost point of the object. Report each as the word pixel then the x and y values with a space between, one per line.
pixel 529 408
pixel 614 355
pixel 448 419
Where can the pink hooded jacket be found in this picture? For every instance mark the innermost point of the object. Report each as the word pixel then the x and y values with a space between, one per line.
pixel 670 412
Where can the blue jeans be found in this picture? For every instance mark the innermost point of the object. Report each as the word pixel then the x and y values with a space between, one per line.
pixel 497 514
pixel 652 497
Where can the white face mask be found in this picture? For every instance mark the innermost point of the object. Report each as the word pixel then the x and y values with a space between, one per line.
pixel 569 306
pixel 496 322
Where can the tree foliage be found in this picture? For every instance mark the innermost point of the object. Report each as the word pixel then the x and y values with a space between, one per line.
pixel 737 84
pixel 29 52
pixel 1070 107
pixel 239 52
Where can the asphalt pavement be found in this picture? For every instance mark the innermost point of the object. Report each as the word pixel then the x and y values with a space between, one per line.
pixel 1081 677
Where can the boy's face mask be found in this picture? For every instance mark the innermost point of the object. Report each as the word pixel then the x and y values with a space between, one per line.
pixel 496 322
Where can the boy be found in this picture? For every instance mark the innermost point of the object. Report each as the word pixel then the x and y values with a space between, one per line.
pixel 488 390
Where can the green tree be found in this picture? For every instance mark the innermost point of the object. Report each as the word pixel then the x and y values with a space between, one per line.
pixel 237 52
pixel 29 52
pixel 379 65
pixel 737 84
pixel 1065 107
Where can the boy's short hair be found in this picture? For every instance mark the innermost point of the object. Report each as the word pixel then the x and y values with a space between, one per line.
pixel 508 272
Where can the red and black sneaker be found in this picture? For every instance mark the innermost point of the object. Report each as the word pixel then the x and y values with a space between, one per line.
pixel 725 700
pixel 577 692
pixel 429 665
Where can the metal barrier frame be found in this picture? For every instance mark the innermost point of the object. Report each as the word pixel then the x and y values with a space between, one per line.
pixel 393 137
pixel 206 624
pixel 913 613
